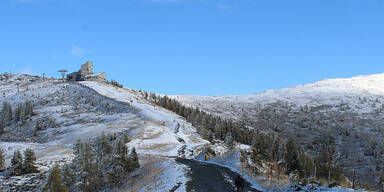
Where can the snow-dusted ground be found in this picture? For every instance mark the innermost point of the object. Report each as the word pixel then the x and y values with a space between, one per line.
pixel 171 175
pixel 83 111
pixel 159 135
pixel 326 92
pixel 355 104
pixel 153 130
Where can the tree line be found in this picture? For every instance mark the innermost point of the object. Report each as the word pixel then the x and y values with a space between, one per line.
pixel 266 147
pixel 22 112
pixel 98 165
pixel 19 165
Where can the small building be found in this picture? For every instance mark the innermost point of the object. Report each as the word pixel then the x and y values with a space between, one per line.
pixel 96 77
pixel 86 74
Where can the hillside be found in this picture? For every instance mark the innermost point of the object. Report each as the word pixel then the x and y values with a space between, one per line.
pixel 67 112
pixel 327 92
pixel 76 124
pixel 343 115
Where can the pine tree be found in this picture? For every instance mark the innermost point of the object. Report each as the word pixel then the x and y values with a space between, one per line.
pixel 1 126
pixel 105 145
pixel 229 140
pixel 323 163
pixel 68 177
pixel 121 157
pixel 29 162
pixel 54 183
pixel 2 160
pixel 18 110
pixel 90 175
pixel 37 128
pixel 305 165
pixel 276 150
pixel 17 163
pixel 261 146
pixel 28 109
pixel 291 157
pixel 127 139
pixel 6 113
pixel 381 176
pixel 9 113
pixel 134 159
pixel 122 149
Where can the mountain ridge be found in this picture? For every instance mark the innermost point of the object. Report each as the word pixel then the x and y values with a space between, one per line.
pixel 344 114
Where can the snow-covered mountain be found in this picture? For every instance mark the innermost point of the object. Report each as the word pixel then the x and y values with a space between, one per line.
pixel 327 92
pixel 64 113
pixel 347 110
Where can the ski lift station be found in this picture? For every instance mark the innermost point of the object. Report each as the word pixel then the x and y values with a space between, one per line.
pixel 86 74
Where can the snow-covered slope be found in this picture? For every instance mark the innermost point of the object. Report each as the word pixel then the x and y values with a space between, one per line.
pixel 163 132
pixel 68 112
pixel 350 110
pixel 327 92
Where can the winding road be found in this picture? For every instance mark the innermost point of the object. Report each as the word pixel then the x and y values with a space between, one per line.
pixel 206 177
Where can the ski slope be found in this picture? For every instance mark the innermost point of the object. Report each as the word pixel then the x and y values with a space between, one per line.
pixel 160 134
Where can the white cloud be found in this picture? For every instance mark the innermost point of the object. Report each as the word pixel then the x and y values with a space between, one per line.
pixel 26 70
pixel 224 7
pixel 77 51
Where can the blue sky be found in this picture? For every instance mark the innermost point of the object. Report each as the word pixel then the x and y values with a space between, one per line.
pixel 206 47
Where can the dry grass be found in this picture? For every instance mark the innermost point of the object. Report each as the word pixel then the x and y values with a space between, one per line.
pixel 159 146
pixel 194 139
pixel 146 176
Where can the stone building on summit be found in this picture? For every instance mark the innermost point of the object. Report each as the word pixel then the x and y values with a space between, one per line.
pixel 86 74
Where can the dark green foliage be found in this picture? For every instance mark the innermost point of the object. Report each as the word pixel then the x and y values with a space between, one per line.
pixel 23 111
pixel 26 166
pixel 90 176
pixel 134 159
pixel 106 147
pixel 306 166
pixel 276 150
pixel 126 138
pixel 228 140
pixel 19 113
pixel 323 163
pixel 115 83
pixel 381 177
pixel 6 114
pixel 291 157
pixel 68 177
pixel 262 145
pixel 100 165
pixel 37 128
pixel 266 147
pixel 209 126
pixel 29 162
pixel 54 183
pixel 28 109
pixel 17 163
pixel 122 149
pixel 1 127
pixel 2 160
pixel 325 166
